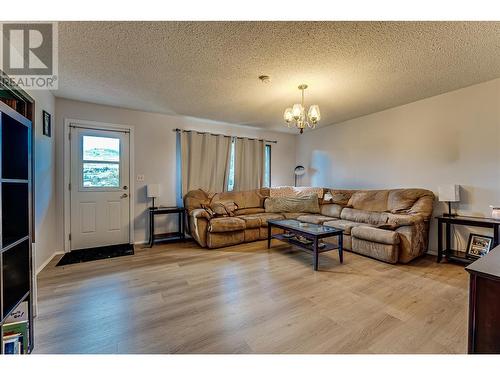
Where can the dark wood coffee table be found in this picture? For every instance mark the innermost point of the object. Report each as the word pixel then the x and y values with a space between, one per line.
pixel 313 232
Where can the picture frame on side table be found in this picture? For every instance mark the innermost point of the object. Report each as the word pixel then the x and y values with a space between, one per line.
pixel 47 124
pixel 479 245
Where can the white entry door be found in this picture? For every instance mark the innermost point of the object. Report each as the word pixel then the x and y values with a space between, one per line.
pixel 99 188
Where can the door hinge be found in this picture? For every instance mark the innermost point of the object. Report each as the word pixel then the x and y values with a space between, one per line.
pixel 69 237
pixel 69 186
pixel 69 136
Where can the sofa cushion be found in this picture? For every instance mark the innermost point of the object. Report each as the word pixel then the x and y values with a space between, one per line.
pixel 362 216
pixel 369 200
pixel 314 219
pixel 304 204
pixel 244 199
pixel 225 224
pixel 268 216
pixel 282 191
pixel 251 221
pixel 306 191
pixel 292 191
pixel 249 211
pixel 387 237
pixel 332 210
pixel 345 225
pixel 292 215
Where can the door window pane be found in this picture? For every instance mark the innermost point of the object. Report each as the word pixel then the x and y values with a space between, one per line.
pixel 101 175
pixel 101 149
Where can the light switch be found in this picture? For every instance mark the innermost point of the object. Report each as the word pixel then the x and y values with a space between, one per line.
pixel 140 178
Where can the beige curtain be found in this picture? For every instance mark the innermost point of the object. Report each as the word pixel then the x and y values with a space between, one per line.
pixel 204 161
pixel 248 164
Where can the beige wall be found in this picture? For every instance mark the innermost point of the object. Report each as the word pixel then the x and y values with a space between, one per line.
pixel 155 152
pixel 449 138
pixel 45 190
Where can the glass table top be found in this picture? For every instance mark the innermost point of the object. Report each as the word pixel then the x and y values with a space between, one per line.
pixel 305 227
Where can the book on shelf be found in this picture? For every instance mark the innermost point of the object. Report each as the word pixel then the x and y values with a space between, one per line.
pixel 13 344
pixel 18 331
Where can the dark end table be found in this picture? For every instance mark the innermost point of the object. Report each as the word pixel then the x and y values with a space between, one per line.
pixel 313 232
pixel 166 237
pixel 459 256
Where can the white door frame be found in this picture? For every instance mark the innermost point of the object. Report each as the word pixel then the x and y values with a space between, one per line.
pixel 67 172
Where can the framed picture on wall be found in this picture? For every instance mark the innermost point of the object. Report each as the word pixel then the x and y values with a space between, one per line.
pixel 47 124
pixel 479 245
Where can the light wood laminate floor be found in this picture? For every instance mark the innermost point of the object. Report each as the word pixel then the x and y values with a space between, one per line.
pixel 179 298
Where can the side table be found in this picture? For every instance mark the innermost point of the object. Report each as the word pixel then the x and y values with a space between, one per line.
pixel 174 236
pixel 448 221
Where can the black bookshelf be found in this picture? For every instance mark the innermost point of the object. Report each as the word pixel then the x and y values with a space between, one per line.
pixel 16 209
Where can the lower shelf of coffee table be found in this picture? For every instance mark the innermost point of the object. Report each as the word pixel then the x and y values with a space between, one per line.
pixel 292 241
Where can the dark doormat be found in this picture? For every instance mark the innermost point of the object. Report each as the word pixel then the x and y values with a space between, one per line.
pixel 96 253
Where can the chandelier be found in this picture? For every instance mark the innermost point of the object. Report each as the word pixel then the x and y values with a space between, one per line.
pixel 296 115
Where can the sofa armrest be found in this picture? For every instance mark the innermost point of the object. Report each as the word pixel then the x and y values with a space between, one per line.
pixel 199 213
pixel 400 220
pixel 198 225
pixel 423 206
pixel 413 240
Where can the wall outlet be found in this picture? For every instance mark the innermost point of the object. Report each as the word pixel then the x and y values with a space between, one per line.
pixel 140 178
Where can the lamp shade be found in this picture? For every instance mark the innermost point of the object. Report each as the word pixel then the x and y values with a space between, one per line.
pixel 299 170
pixel 449 193
pixel 153 190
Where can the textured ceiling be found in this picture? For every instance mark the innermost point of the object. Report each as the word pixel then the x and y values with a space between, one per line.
pixel 210 69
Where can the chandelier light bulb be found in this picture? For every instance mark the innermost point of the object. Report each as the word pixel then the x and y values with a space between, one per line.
pixel 297 111
pixel 314 115
pixel 288 116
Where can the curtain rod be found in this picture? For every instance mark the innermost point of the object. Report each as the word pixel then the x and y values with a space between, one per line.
pixel 177 130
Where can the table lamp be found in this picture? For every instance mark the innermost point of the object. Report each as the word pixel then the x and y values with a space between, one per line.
pixel 153 191
pixel 449 193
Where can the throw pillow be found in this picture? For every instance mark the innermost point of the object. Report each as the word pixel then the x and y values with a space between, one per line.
pixel 307 204
pixel 221 208
pixel 340 196
pixel 327 197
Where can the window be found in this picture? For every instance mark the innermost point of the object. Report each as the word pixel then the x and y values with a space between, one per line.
pixel 267 167
pixel 101 162
pixel 230 180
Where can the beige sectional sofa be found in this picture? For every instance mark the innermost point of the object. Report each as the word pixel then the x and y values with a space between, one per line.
pixel 389 225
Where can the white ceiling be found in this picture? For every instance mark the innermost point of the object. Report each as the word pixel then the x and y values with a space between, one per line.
pixel 210 69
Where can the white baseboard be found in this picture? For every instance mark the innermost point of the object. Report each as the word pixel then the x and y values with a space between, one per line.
pixel 44 264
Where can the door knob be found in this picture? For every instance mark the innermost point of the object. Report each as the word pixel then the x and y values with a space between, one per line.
pixel 125 195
